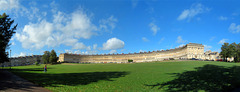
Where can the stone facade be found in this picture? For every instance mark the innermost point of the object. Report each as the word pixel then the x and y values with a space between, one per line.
pixel 23 60
pixel 188 51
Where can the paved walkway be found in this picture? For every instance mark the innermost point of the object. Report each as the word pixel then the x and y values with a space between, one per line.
pixel 12 83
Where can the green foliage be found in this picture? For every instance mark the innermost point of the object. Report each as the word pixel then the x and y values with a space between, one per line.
pixel 224 52
pixel 230 50
pixel 45 57
pixel 37 63
pixel 53 57
pixel 6 33
pixel 49 57
pixel 130 60
pixel 133 77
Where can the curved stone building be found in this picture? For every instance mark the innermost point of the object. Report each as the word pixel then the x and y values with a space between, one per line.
pixel 188 51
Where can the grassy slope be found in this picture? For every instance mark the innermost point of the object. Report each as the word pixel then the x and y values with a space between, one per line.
pixel 108 77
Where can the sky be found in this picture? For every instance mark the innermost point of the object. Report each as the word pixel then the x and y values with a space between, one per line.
pixel 120 26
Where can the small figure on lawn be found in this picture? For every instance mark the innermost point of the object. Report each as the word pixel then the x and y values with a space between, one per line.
pixel 45 68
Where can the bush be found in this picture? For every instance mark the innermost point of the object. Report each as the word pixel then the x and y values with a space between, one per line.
pixel 130 60
pixel 37 63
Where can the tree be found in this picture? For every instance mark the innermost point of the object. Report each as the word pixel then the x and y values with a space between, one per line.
pixel 6 33
pixel 53 57
pixel 238 52
pixel 45 57
pixel 224 53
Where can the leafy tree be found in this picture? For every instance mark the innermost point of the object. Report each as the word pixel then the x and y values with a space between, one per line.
pixel 45 57
pixel 53 57
pixel 224 53
pixel 6 32
pixel 238 52
pixel 233 51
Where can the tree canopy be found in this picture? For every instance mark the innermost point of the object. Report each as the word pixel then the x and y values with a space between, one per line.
pixel 49 57
pixel 6 33
pixel 230 50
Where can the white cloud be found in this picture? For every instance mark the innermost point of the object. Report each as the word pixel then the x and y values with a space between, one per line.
pixel 13 43
pixel 207 47
pixel 145 39
pixel 161 40
pixel 222 18
pixel 36 35
pixel 21 54
pixel 180 40
pixel 141 50
pixel 63 30
pixel 212 38
pixel 94 46
pixel 81 46
pixel 234 28
pixel 181 45
pixel 194 10
pixel 134 3
pixel 154 28
pixel 9 4
pixel 113 51
pixel 222 41
pixel 113 44
pixel 108 24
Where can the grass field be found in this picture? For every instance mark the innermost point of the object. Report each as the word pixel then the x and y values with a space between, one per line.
pixel 154 76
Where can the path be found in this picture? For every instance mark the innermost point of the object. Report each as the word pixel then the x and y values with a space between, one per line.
pixel 12 83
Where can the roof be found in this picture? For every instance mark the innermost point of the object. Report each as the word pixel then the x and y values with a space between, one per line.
pixel 194 44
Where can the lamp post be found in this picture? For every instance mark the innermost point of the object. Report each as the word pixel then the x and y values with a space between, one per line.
pixel 10 60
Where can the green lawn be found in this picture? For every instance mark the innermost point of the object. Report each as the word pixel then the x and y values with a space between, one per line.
pixel 154 76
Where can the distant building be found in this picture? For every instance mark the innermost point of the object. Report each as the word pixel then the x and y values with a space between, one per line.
pixel 23 60
pixel 188 51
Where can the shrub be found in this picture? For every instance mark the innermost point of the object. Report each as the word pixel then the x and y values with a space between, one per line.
pixel 37 63
pixel 130 60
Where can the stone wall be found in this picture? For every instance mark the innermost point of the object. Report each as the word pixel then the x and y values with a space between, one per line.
pixel 189 51
pixel 23 60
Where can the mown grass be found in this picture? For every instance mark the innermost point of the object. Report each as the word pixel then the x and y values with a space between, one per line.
pixel 154 76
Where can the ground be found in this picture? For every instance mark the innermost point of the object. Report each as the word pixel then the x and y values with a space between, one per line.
pixel 154 76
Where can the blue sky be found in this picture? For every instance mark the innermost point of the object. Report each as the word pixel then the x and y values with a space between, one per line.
pixel 120 26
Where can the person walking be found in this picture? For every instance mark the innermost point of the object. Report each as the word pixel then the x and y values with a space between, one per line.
pixel 45 68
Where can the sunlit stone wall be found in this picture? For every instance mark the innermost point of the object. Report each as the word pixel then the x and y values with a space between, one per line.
pixel 189 51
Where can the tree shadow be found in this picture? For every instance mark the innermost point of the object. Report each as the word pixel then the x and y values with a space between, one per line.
pixel 70 79
pixel 211 78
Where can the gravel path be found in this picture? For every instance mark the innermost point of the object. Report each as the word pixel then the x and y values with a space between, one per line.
pixel 12 83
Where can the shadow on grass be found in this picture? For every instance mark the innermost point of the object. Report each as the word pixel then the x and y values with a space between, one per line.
pixel 71 79
pixel 210 78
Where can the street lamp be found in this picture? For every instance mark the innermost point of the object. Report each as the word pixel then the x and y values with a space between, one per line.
pixel 10 60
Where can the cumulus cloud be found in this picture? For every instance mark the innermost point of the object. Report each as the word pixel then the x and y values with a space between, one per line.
pixel 63 30
pixel 108 24
pixel 81 46
pixel 222 41
pixel 193 11
pixel 222 18
pixel 113 44
pixel 113 51
pixel 36 35
pixel 180 40
pixel 20 54
pixel 94 46
pixel 145 39
pixel 234 28
pixel 9 4
pixel 154 28
pixel 207 47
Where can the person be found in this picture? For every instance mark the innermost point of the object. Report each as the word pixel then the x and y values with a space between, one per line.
pixel 45 68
